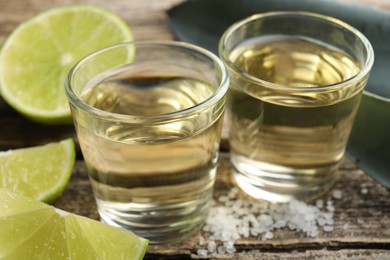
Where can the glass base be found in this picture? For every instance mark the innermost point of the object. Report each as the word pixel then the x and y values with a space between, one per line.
pixel 159 226
pixel 280 184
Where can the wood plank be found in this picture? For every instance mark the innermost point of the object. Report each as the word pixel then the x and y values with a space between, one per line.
pixel 323 253
pixel 361 220
pixel 19 132
pixel 385 4
pixel 148 20
pixel 365 214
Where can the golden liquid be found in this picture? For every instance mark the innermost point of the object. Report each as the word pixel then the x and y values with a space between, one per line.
pixel 291 140
pixel 150 175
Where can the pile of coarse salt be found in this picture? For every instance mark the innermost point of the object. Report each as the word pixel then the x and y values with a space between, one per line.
pixel 231 219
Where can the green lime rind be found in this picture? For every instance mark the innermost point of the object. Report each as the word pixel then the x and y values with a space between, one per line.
pixel 37 56
pixel 34 230
pixel 40 172
pixel 60 186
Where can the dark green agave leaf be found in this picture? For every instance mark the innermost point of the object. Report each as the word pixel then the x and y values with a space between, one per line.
pixel 202 22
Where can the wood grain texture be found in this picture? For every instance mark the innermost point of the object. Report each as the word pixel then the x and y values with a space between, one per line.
pixel 367 215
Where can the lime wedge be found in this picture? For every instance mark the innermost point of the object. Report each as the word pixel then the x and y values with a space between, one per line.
pixel 38 54
pixel 39 172
pixel 34 230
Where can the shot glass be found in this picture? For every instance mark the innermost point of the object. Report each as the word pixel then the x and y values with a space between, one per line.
pixel 148 117
pixel 296 83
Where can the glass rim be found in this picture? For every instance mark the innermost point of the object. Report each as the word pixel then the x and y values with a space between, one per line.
pixel 365 68
pixel 219 92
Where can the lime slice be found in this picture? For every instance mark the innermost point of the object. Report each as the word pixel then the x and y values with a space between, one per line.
pixel 38 54
pixel 39 172
pixel 34 230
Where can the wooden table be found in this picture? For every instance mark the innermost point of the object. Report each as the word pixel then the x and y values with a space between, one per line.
pixel 364 207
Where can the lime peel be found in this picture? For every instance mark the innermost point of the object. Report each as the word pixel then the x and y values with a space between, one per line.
pixel 40 172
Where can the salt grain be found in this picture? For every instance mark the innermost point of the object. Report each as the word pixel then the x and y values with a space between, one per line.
pixel 329 205
pixel 229 246
pixel 223 198
pixel 319 204
pixel 221 249
pixel 234 218
pixel 211 246
pixel 337 194
pixel 346 226
pixel 202 252
pixel 328 228
pixel 268 235
pixel 201 241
